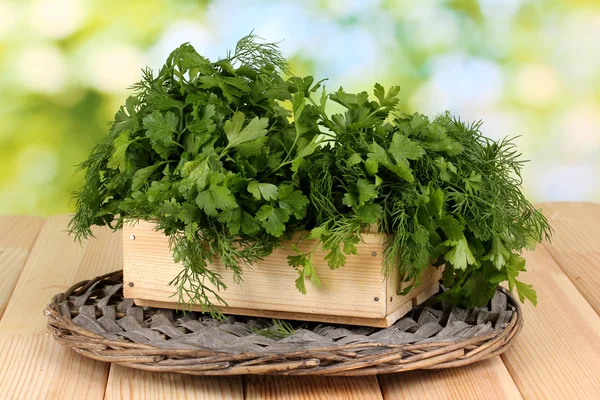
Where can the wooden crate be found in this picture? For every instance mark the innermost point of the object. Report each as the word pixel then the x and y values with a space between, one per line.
pixel 356 293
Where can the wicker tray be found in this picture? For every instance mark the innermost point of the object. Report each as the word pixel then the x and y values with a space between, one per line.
pixel 94 319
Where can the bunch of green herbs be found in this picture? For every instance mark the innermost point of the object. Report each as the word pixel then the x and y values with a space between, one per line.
pixel 230 157
pixel 439 190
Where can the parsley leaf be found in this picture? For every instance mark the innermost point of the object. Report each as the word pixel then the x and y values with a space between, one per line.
pixel 273 219
pixel 118 159
pixel 160 129
pixel 515 265
pixel 451 227
pixel 335 258
pixel 216 197
pixel 267 191
pixel 293 201
pixel 254 130
pixel 459 255
pixel 142 175
pixel 387 101
pixel 366 191
pixel 404 149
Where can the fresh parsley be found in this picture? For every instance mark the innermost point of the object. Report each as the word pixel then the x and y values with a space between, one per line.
pixel 230 157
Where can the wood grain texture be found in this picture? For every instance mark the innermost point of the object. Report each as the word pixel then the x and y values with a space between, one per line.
pixel 35 366
pixel 428 286
pixel 314 388
pixel 19 231
pixel 253 312
pixel 149 265
pixel 557 354
pixel 488 380
pixel 17 236
pixel 128 383
pixel 270 284
pixel 55 263
pixel 576 245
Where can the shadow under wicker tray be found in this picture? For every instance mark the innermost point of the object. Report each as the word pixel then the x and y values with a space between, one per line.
pixel 94 319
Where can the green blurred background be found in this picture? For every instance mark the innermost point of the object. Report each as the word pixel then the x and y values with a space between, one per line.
pixel 529 68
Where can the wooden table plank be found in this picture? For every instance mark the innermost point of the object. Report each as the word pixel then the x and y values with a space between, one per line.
pixel 576 245
pixel 311 387
pixel 33 364
pixel 488 379
pixel 557 354
pixel 17 236
pixel 55 263
pixel 19 231
pixel 128 383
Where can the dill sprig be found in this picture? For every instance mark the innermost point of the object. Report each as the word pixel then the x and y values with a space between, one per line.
pixel 257 55
pixel 277 330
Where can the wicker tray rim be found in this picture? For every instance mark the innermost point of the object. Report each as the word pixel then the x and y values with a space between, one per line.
pixel 290 357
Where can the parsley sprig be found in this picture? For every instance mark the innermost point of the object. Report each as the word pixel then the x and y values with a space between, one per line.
pixel 229 157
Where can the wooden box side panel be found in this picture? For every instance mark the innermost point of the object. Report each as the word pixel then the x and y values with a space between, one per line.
pixel 355 290
pixel 428 286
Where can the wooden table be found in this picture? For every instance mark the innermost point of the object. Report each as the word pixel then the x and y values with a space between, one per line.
pixel 557 355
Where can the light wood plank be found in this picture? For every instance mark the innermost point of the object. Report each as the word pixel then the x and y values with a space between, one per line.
pixel 149 266
pixel 488 379
pixel 17 236
pixel 557 354
pixel 19 231
pixel 268 288
pixel 313 387
pixel 576 245
pixel 34 366
pixel 333 319
pixel 55 263
pixel 127 383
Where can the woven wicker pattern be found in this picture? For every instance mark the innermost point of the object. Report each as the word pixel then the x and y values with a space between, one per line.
pixel 94 319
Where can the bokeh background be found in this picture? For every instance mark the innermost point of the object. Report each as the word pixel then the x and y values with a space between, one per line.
pixel 528 68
